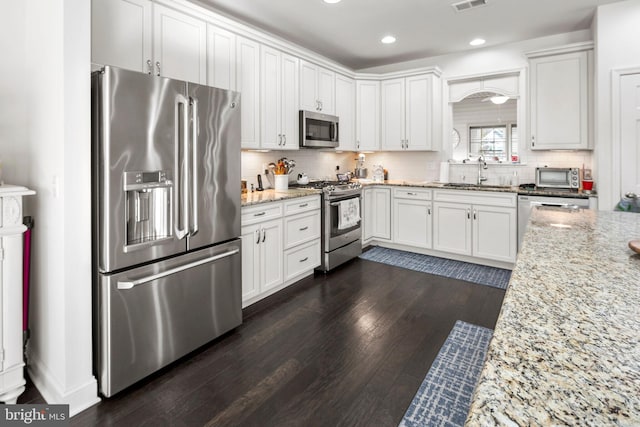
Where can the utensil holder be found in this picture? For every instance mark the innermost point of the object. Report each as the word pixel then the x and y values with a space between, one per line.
pixel 281 182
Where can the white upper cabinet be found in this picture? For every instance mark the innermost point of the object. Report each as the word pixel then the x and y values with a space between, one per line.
pixel 146 37
pixel 560 101
pixel 179 45
pixel 393 111
pixel 121 33
pixel 248 84
pixel 221 58
pixel 411 113
pixel 279 100
pixel 317 88
pixel 346 112
pixel 367 115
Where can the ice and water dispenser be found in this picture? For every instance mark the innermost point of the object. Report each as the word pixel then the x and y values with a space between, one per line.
pixel 148 207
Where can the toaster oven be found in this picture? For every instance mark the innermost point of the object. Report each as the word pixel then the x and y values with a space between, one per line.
pixel 558 178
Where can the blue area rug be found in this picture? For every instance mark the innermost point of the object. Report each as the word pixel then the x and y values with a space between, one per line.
pixel 444 397
pixel 481 274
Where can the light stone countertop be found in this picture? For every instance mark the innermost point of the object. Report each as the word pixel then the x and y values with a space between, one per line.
pixel 566 347
pixel 482 187
pixel 266 196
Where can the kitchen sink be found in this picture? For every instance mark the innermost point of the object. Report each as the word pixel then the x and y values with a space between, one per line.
pixel 470 185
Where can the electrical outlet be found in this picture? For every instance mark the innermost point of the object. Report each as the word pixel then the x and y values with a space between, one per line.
pixel 337 167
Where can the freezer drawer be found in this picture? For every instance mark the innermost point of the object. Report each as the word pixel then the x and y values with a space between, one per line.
pixel 152 315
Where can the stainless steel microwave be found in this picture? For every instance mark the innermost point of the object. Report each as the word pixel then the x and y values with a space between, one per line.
pixel 318 130
pixel 559 178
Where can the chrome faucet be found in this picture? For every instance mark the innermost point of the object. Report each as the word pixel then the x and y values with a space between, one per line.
pixel 482 164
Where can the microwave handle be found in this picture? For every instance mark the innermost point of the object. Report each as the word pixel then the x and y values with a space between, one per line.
pixel 334 132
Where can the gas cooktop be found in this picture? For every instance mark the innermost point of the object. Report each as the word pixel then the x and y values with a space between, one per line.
pixel 331 187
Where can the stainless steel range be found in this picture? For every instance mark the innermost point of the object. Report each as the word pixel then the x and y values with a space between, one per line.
pixel 341 222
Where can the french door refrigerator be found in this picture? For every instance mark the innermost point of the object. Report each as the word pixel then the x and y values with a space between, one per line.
pixel 166 219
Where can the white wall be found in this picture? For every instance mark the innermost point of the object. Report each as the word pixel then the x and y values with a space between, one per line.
pixel 46 147
pixel 14 162
pixel 617 35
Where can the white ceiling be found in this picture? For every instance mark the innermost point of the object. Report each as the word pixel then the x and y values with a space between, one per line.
pixel 349 32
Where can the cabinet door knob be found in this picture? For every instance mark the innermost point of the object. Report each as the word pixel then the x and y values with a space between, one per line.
pixel 158 68
pixel 149 66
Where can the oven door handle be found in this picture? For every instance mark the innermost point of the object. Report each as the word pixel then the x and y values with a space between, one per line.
pixel 336 204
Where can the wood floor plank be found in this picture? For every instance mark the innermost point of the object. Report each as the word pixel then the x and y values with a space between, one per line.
pixel 348 348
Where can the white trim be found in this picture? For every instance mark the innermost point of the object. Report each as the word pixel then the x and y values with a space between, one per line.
pixel 616 122
pixel 80 398
pixel 569 48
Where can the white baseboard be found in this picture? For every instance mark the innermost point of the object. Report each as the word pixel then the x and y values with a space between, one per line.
pixel 78 399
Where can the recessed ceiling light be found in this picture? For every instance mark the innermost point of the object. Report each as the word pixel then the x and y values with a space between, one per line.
pixel 477 42
pixel 332 1
pixel 388 39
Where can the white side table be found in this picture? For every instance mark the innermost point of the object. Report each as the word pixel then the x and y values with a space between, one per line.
pixel 11 229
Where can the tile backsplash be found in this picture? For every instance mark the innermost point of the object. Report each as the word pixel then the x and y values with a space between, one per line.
pixel 411 166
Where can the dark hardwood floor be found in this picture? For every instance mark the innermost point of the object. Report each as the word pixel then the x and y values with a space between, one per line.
pixel 348 348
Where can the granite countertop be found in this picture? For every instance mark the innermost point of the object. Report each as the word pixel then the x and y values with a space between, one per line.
pixel 483 187
pixel 566 347
pixel 266 196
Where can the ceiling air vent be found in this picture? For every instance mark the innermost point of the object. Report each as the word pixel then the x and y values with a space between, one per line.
pixel 468 4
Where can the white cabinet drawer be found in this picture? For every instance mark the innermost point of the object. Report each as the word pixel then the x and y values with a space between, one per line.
pixel 261 212
pixel 411 193
pixel 487 198
pixel 301 259
pixel 301 228
pixel 302 204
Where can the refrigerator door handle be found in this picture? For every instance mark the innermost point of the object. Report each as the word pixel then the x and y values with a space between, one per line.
pixel 130 284
pixel 194 164
pixel 181 201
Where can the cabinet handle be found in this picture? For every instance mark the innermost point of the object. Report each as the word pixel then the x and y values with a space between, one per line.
pixel 428 211
pixel 406 144
pixel 158 67
pixel 149 66
pixel 304 205
pixel 533 141
pixel 264 235
pixel 409 193
pixel 320 102
pixel 304 228
pixel 468 213
pixel 284 139
pixel 279 139
pixel 474 214
pixel 258 240
pixel 304 259
pixel 357 144
pixel 260 213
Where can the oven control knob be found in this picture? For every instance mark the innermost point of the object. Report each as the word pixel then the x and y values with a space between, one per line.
pixel 330 188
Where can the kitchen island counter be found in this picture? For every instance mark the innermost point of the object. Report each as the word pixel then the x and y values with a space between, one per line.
pixel 266 196
pixel 566 347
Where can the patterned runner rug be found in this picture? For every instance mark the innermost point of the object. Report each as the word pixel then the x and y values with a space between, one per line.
pixel 480 274
pixel 444 397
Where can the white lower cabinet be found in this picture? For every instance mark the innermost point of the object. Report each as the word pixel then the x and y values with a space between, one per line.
pixel 412 217
pixel 473 226
pixel 377 214
pixel 261 258
pixel 486 228
pixel 280 245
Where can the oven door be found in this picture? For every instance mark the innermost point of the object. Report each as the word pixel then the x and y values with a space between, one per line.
pixel 334 236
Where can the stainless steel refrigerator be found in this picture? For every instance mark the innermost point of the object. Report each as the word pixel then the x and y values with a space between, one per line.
pixel 166 215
